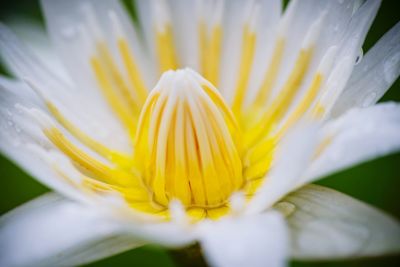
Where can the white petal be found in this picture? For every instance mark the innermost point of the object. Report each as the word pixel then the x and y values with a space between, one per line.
pixel 374 75
pixel 34 36
pixel 256 241
pixel 264 19
pixel 293 156
pixel 184 19
pixel 146 20
pixel 235 17
pixel 326 224
pixel 52 231
pixel 359 135
pixel 352 36
pixel 76 26
pixel 23 142
pixel 270 13
pixel 77 105
pixel 317 24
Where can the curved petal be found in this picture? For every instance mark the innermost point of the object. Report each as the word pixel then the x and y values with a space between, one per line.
pixel 80 106
pixel 53 231
pixel 359 135
pixel 255 241
pixel 374 75
pixel 326 224
pixel 22 141
pixel 34 36
pixel 293 156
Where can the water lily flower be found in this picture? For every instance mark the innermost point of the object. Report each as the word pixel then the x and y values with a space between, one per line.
pixel 204 122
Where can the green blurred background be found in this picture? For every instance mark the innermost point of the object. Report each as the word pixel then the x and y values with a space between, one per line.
pixel 376 182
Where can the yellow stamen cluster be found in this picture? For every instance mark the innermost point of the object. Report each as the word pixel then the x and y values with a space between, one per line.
pixel 187 143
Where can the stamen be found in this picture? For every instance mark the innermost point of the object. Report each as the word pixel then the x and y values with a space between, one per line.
pixel 98 169
pixel 248 49
pixel 114 73
pixel 139 89
pixel 281 103
pixel 114 99
pixel 334 87
pixel 312 91
pixel 271 74
pixel 114 156
pixel 185 143
pixel 210 38
pixel 121 98
pixel 164 36
pixel 279 106
pixel 93 166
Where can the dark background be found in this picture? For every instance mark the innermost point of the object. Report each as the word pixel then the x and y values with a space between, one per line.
pixel 376 182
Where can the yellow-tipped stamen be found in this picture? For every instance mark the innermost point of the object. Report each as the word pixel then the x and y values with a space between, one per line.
pixel 118 81
pixel 166 49
pixel 213 55
pixel 96 168
pixel 304 104
pixel 280 105
pixel 114 156
pixel 311 94
pixel 106 71
pixel 248 47
pixel 107 74
pixel 271 74
pixel 164 37
pixel 210 40
pixel 186 145
pixel 135 77
pixel 137 86
pixel 285 97
pixel 203 45
pixel 112 96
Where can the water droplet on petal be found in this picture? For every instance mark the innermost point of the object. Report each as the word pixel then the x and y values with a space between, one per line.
pixel 69 32
pixel 9 113
pixel 336 28
pixel 359 56
pixel 17 129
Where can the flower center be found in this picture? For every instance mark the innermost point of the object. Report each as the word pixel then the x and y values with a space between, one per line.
pixel 188 143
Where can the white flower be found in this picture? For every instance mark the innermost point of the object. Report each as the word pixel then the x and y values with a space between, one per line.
pixel 186 162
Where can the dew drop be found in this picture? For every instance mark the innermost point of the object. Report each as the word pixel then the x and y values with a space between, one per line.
pixel 336 28
pixel 359 57
pixel 18 108
pixel 69 32
pixel 17 129
pixel 369 99
pixel 9 113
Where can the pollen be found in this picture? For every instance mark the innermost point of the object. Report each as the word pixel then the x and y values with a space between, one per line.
pixel 188 143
